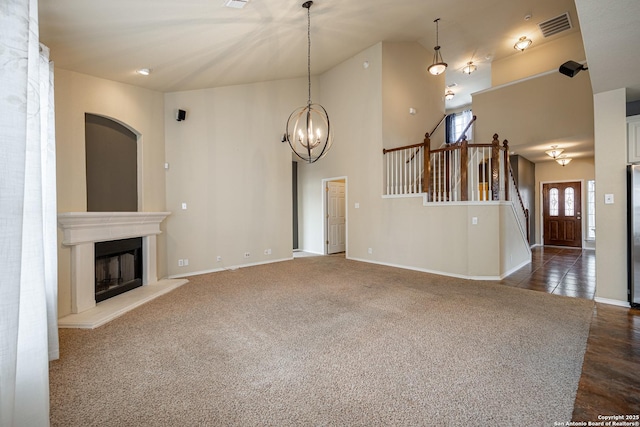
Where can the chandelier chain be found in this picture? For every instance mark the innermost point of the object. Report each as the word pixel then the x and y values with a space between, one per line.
pixel 309 52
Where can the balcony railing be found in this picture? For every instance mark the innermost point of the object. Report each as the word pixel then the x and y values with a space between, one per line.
pixel 454 173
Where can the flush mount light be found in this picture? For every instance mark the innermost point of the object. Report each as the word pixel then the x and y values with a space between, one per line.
pixel 469 68
pixel 554 152
pixel 438 65
pixel 522 43
pixel 449 95
pixel 144 71
pixel 563 161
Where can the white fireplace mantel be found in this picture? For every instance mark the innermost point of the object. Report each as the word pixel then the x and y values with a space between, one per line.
pixel 81 230
pixel 91 227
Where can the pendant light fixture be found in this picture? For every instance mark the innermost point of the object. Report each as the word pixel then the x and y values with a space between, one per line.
pixel 438 65
pixel 448 95
pixel 308 128
pixel 469 68
pixel 563 160
pixel 554 152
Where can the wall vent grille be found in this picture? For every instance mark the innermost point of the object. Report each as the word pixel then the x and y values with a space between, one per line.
pixel 555 25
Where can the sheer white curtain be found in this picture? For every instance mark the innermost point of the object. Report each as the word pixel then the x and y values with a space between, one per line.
pixel 28 257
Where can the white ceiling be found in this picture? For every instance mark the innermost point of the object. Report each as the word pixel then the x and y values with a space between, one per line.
pixel 194 44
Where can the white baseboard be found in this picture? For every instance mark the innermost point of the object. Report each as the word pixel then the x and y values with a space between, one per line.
pixel 514 269
pixel 612 302
pixel 426 270
pixel 233 267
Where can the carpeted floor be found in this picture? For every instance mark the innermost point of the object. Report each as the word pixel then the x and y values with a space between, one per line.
pixel 327 341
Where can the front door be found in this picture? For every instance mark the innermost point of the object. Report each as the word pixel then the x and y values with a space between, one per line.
pixel 561 211
pixel 336 218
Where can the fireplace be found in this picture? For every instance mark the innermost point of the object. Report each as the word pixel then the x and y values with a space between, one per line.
pixel 81 232
pixel 118 267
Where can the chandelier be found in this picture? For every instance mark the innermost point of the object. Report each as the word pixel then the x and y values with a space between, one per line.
pixel 308 128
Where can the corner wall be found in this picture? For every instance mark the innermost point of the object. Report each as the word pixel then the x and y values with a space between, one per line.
pixel 611 220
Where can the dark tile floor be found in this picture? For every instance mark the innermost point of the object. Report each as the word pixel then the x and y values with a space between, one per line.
pixel 610 380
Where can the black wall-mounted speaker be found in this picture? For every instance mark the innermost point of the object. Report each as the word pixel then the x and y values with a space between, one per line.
pixel 571 68
pixel 181 115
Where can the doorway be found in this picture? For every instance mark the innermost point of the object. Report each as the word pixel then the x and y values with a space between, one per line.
pixel 335 214
pixel 562 214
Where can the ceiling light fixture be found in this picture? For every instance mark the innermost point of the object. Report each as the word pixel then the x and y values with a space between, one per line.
pixel 144 71
pixel 449 95
pixel 469 68
pixel 308 142
pixel 438 65
pixel 563 161
pixel 554 152
pixel 522 43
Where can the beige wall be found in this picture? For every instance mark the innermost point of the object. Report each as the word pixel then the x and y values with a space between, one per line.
pixel 228 164
pixel 536 113
pixel 404 78
pixel 538 59
pixel 611 225
pixel 353 99
pixel 580 169
pixel 139 109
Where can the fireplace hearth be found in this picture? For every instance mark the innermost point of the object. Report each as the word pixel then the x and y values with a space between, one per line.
pixel 118 267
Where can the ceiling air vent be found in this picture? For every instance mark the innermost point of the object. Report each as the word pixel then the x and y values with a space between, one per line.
pixel 555 25
pixel 236 4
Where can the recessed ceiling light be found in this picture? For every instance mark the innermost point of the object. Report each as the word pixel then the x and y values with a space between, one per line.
pixel 144 71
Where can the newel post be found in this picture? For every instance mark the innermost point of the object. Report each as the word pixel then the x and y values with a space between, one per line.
pixel 507 167
pixel 495 170
pixel 426 185
pixel 464 164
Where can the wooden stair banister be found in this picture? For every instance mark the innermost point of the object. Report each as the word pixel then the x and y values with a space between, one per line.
pixel 463 135
pixel 507 168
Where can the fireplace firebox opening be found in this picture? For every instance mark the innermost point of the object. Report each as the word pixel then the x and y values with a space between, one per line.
pixel 118 267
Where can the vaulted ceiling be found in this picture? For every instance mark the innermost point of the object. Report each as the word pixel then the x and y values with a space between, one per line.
pixel 193 44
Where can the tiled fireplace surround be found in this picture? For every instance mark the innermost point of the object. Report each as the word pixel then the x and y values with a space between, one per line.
pixel 81 230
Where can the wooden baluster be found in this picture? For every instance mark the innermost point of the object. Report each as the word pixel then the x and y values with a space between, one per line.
pixel 495 171
pixel 464 163
pixel 427 167
pixel 505 144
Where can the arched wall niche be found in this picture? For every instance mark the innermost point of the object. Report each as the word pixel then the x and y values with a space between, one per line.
pixel 113 165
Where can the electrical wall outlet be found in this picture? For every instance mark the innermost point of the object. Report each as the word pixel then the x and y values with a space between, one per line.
pixel 180 263
pixel 247 254
pixel 267 251
pixel 218 258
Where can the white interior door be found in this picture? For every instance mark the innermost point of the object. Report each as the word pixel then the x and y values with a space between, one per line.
pixel 336 217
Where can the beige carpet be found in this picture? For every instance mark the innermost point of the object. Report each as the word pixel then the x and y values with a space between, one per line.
pixel 327 341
